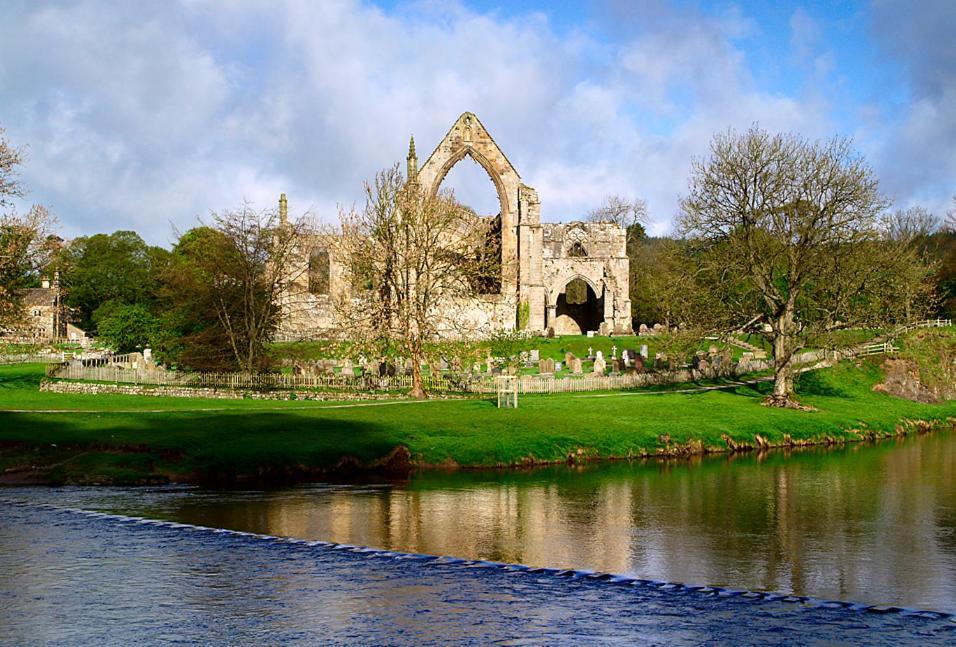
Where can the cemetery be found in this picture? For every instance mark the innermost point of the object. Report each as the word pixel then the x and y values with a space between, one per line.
pixel 120 438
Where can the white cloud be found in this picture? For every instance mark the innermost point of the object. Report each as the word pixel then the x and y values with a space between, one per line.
pixel 141 115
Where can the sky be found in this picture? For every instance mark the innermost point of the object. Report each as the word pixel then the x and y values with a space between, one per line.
pixel 151 115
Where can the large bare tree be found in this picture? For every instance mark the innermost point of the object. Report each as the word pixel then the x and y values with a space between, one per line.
pixel 25 243
pixel 414 263
pixel 630 215
pixel 791 240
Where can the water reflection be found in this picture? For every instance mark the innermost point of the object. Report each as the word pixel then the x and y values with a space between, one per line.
pixel 868 523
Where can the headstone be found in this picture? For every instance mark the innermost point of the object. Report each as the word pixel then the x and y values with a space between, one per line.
pixel 604 329
pixel 616 366
pixel 147 355
pixel 760 354
pixel 712 351
pixel 347 368
pixel 590 352
pixel 557 366
pixel 600 366
pixel 576 366
pixel 442 364
pixel 568 358
pixel 614 351
pixel 658 328
pixel 546 365
pixel 599 355
pixel 638 363
pixel 644 351
pixel 590 333
pixel 534 355
pixel 642 330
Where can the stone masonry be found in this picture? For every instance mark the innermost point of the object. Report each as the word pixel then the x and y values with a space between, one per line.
pixel 568 278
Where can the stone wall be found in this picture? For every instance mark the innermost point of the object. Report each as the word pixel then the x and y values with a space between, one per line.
pixel 538 260
pixel 93 388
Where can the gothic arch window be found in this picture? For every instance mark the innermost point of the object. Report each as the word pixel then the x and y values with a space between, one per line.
pixel 577 250
pixel 320 271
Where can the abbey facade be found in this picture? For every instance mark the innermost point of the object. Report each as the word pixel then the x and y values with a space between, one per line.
pixel 567 278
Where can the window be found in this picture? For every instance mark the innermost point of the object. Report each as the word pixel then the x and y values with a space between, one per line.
pixel 319 272
pixel 577 250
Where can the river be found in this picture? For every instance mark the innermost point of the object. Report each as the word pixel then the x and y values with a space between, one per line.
pixel 872 524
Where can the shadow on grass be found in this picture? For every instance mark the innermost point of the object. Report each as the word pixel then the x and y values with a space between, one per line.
pixel 815 383
pixel 21 376
pixel 241 448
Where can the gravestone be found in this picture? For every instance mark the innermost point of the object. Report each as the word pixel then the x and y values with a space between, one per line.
pixel 617 366
pixel 644 351
pixel 590 352
pixel 638 363
pixel 576 366
pixel 546 365
pixel 557 366
pixel 614 351
pixel 568 358
pixel 442 364
pixel 642 330
pixel 347 368
pixel 590 333
pixel 600 366
pixel 599 355
pixel 534 355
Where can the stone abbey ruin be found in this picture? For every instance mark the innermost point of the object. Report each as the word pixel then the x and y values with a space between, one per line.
pixel 560 278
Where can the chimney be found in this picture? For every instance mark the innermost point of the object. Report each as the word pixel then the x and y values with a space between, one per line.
pixel 283 210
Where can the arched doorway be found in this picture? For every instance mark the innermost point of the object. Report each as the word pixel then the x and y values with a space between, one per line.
pixel 578 308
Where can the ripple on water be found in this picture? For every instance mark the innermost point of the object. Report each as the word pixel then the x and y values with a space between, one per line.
pixel 92 577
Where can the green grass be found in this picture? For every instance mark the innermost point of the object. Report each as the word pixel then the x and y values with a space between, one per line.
pixel 129 439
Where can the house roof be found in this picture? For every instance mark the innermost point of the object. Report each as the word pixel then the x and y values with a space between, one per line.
pixel 39 297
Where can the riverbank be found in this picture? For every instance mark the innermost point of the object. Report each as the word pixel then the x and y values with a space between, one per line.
pixel 63 438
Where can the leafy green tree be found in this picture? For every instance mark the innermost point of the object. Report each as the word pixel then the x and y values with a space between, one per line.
pixel 126 327
pixel 117 267
pixel 222 289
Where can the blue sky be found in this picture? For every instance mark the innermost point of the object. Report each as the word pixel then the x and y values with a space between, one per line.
pixel 150 115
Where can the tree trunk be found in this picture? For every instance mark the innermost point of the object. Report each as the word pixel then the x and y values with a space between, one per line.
pixel 782 395
pixel 418 390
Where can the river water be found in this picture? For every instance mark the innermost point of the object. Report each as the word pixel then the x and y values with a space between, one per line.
pixel 874 525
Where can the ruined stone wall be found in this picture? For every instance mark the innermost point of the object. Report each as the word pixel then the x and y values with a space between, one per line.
pixel 538 260
pixel 595 253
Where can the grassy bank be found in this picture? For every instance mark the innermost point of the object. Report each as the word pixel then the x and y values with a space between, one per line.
pixel 128 439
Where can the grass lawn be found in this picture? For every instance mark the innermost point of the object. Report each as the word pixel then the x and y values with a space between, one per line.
pixel 130 439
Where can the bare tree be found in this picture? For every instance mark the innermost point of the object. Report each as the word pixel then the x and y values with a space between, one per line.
pixel 415 263
pixel 630 215
pixel 791 237
pixel 950 223
pixel 25 242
